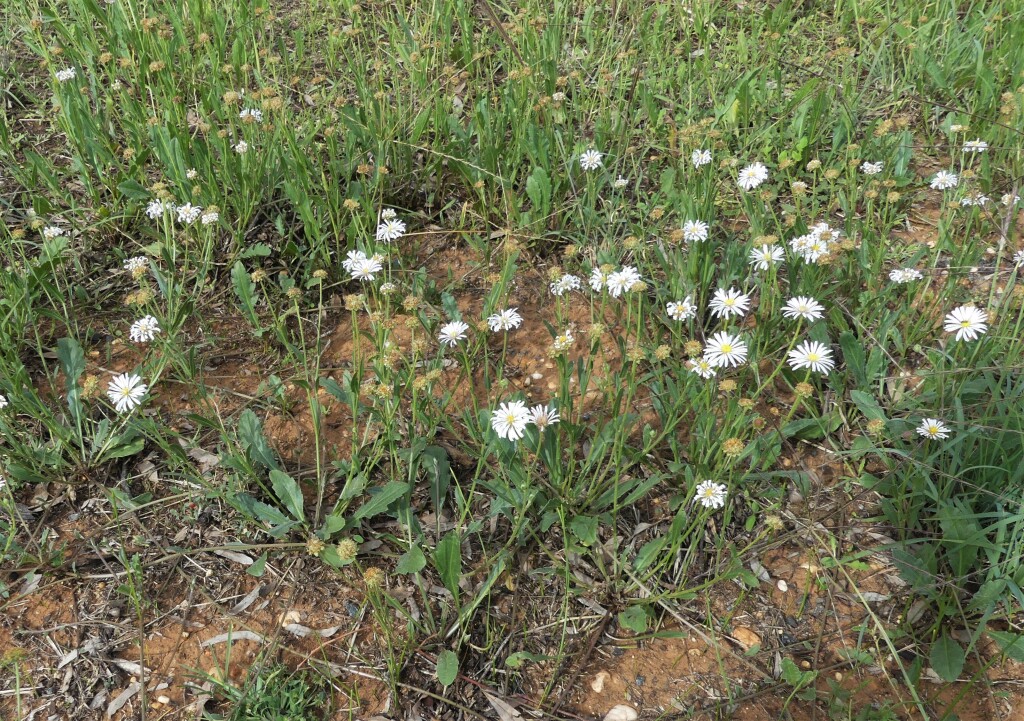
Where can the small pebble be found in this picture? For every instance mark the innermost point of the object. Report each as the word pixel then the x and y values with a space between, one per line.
pixel 622 712
pixel 782 586
pixel 641 680
pixel 598 683
pixel 536 376
pixel 163 700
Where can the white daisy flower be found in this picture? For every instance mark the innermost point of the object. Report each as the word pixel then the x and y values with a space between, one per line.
pixel 209 217
pixel 622 281
pixel 125 391
pixel 700 158
pixel 871 168
pixel 144 329
pixel 803 307
pixel 620 182
pixel 188 213
pixel 241 147
pixel 136 264
pixel 3 401
pixel 52 231
pixel 724 349
pixel 682 309
pixel 452 333
pixel 904 275
pixel 816 244
pixel 974 199
pixel 362 267
pixel 695 231
pixel 157 208
pixel 729 302
pixel 505 320
pixel 510 420
pixel 390 229
pixel 565 284
pixel 812 355
pixel 590 159
pixel 710 494
pixel 702 367
pixel 967 321
pixel 65 74
pixel 1018 258
pixel 766 256
pixel 975 146
pixel 563 341
pixel 944 180
pixel 752 176
pixel 598 279
pixel 932 428
pixel 1009 199
pixel 251 115
pixel 543 416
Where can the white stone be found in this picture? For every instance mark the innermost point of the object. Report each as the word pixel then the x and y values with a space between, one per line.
pixel 622 712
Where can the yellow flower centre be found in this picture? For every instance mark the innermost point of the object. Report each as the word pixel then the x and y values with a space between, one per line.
pixel 965 324
pixel 727 348
pixel 813 357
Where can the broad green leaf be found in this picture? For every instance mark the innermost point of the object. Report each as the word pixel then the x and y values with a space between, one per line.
pixel 635 619
pixel 250 432
pixel 259 566
pixel 1012 644
pixel 132 189
pixel 122 448
pixel 288 491
pixel 412 561
pixel 947 658
pixel 584 528
pixel 867 405
pixel 447 667
pixel 448 559
pixel 380 501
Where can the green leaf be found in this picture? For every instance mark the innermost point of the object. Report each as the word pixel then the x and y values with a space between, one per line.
pixel 288 491
pixel 250 432
pixel 517 659
pixel 412 561
pixel 132 189
pixel 333 523
pixel 635 619
pixel 447 667
pixel 853 356
pixel 330 556
pixel 867 405
pixel 538 187
pixel 384 497
pixel 448 559
pixel 1012 644
pixel 947 658
pixel 122 448
pixel 261 250
pixel 585 529
pixel 434 460
pixel 72 360
pixel 259 566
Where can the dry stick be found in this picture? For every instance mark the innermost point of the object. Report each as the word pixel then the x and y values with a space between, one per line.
pixel 498 26
pixel 577 666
